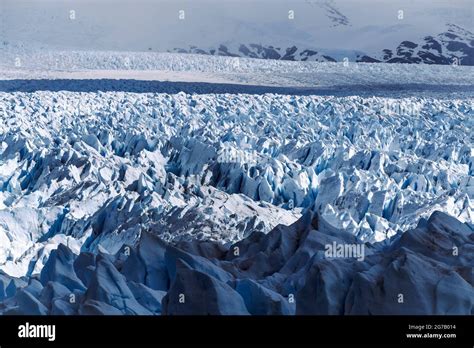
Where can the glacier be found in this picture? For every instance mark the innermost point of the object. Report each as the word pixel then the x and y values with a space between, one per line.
pixel 126 199
pixel 281 273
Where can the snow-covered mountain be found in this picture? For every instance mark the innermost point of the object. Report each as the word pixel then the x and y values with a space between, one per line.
pixel 422 31
pixel 453 46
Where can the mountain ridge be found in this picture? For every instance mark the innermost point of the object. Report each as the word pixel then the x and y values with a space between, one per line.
pixel 454 46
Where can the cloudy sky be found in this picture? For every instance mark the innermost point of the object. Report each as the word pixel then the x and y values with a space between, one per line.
pixel 156 24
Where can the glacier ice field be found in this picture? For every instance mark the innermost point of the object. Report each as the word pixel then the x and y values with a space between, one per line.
pixel 127 199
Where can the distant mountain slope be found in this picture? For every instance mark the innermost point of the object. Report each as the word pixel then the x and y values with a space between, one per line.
pixel 453 46
pixel 402 31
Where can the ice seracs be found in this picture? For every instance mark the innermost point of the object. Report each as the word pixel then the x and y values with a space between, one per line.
pixel 131 200
pixel 284 272
pixel 216 167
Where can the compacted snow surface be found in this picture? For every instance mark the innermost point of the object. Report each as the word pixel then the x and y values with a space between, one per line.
pixel 126 194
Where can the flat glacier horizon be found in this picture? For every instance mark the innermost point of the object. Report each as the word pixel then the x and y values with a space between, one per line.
pixel 30 70
pixel 136 175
